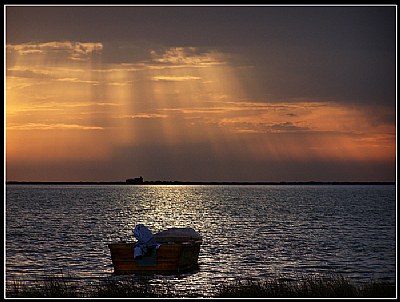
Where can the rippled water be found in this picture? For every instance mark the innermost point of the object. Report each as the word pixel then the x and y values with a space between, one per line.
pixel 248 231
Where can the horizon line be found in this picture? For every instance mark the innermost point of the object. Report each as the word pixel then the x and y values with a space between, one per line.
pixel 178 182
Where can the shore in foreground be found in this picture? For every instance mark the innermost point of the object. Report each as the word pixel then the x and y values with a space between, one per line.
pixel 304 287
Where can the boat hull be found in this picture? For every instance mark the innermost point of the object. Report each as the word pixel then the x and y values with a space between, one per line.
pixel 170 258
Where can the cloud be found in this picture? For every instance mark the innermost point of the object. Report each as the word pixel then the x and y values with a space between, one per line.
pixel 260 127
pixel 187 56
pixel 77 80
pixel 143 116
pixel 174 78
pixel 121 83
pixel 27 73
pixel 58 74
pixel 60 126
pixel 51 108
pixel 74 50
pixel 50 61
pixel 286 127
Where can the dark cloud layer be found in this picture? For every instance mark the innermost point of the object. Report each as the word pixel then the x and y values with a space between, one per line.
pixel 345 53
pixel 329 27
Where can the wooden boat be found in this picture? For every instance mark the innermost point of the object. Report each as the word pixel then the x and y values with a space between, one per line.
pixel 178 252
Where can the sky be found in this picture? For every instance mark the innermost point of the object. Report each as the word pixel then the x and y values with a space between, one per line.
pixel 200 93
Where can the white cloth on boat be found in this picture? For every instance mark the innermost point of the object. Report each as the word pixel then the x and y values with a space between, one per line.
pixel 146 241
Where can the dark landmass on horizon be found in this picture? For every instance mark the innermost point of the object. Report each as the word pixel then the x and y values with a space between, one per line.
pixel 161 182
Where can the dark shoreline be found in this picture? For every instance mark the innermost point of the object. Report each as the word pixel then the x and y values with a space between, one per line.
pixel 208 183
pixel 330 286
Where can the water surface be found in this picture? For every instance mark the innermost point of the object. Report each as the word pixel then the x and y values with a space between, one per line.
pixel 248 231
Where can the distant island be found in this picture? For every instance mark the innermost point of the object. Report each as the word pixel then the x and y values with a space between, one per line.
pixel 140 181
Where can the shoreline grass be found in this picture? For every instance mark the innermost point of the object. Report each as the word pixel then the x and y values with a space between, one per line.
pixel 303 287
pixel 308 287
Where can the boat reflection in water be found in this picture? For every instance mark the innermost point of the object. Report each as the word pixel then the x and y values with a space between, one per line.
pixel 172 251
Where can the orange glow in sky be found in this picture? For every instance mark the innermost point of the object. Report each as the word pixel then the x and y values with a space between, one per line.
pixel 69 105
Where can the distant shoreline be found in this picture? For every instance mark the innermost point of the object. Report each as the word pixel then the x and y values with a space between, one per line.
pixel 208 183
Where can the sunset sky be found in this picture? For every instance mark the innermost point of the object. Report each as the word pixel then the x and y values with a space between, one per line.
pixel 200 93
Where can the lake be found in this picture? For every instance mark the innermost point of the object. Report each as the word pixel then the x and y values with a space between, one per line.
pixel 249 231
